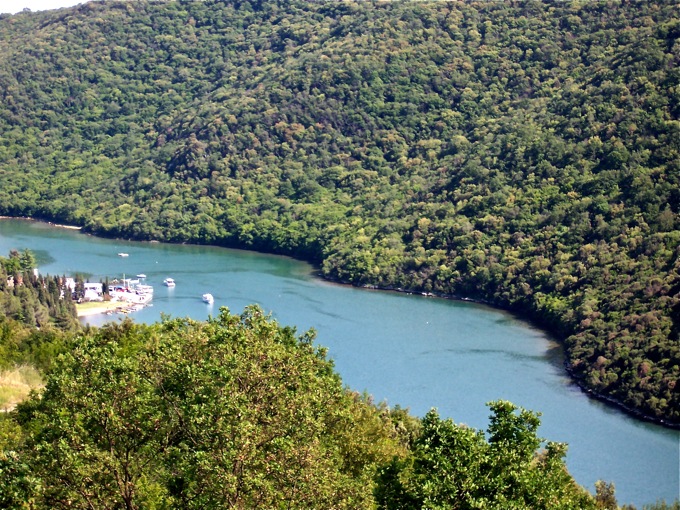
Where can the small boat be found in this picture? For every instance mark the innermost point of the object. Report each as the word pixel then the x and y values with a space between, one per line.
pixel 169 282
pixel 141 276
pixel 121 254
pixel 208 298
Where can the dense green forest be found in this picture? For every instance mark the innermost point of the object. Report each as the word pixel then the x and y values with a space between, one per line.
pixel 521 153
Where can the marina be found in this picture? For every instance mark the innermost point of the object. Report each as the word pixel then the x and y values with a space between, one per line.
pixel 118 296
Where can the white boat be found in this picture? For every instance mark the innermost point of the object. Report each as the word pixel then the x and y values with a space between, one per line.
pixel 169 282
pixel 141 276
pixel 208 298
pixel 121 254
pixel 144 289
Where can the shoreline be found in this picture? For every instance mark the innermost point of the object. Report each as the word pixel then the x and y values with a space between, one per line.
pixel 27 218
pixel 99 309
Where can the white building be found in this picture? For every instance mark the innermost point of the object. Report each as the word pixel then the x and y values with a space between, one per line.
pixel 93 292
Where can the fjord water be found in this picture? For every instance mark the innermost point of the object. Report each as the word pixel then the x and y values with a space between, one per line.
pixel 404 349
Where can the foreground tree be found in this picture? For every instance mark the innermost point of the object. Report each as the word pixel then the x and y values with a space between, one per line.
pixel 455 467
pixel 237 412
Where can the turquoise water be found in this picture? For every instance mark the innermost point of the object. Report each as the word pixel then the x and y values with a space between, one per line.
pixel 409 350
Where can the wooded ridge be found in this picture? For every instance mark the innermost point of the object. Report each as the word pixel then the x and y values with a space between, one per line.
pixel 525 154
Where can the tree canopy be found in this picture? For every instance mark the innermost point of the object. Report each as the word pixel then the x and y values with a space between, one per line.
pixel 456 467
pixel 233 413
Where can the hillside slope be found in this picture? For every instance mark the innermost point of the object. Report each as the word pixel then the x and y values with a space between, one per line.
pixel 523 154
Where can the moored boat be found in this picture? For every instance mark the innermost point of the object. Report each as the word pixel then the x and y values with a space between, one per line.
pixel 169 282
pixel 144 289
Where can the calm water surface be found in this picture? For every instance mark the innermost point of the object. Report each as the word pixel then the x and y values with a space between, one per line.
pixel 408 350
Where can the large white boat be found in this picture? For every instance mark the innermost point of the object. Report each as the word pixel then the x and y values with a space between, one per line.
pixel 144 289
pixel 208 298
pixel 130 295
pixel 169 282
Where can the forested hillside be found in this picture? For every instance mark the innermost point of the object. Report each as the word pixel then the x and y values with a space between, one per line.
pixel 525 154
